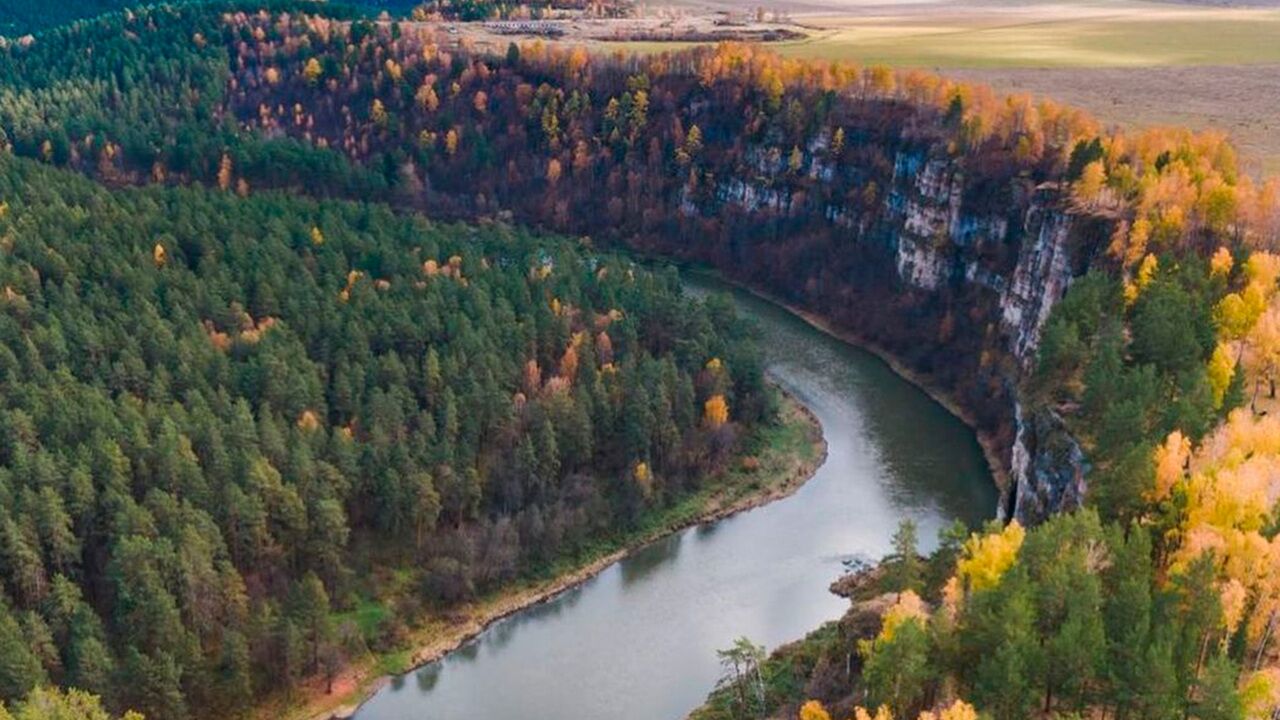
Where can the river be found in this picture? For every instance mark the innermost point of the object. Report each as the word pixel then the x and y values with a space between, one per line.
pixel 638 641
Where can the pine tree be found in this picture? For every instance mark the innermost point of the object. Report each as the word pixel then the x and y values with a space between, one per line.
pixel 20 669
pixel 905 570
pixel 309 608
pixel 1218 697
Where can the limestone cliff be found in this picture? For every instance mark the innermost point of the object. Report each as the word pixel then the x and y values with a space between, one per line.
pixel 955 288
pixel 942 242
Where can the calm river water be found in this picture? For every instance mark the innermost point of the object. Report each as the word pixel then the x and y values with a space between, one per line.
pixel 638 641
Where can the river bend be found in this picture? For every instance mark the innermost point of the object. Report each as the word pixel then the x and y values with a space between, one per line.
pixel 638 641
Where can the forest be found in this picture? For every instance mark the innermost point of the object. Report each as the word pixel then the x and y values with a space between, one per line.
pixel 18 19
pixel 221 413
pixel 315 374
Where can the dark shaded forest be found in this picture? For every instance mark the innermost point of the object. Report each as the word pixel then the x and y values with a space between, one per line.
pixel 21 18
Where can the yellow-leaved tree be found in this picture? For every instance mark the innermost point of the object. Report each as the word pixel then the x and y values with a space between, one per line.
pixel 1222 367
pixel 715 411
pixel 1230 485
pixel 312 71
pixel 909 607
pixel 1089 187
pixel 957 710
pixel 1262 351
pixel 1221 263
pixel 882 713
pixel 56 704
pixel 1170 460
pixel 813 710
pixel 1260 693
pixel 987 557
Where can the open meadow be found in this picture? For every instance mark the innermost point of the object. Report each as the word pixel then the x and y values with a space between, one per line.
pixel 1242 100
pixel 1107 34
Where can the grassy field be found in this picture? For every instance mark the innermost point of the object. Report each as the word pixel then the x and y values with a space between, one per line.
pixel 1050 36
pixel 1129 36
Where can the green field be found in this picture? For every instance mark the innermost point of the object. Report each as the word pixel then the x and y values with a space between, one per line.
pixel 1050 37
pixel 1034 36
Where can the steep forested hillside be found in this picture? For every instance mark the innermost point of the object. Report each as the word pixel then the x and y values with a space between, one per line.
pixel 727 156
pixel 23 17
pixel 20 18
pixel 221 413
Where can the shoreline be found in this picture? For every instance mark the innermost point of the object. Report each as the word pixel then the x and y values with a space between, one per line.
pixel 990 449
pixel 366 680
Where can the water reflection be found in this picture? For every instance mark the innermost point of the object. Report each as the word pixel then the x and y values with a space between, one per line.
pixel 638 642
pixel 705 532
pixel 857 390
pixel 471 650
pixel 427 677
pixel 643 562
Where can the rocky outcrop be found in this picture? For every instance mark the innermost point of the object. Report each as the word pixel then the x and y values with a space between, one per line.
pixel 1046 465
pixel 1047 468
pixel 1038 281
pixel 972 287
pixel 951 271
pixel 942 244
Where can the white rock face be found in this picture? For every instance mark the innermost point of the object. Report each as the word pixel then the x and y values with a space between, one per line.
pixel 938 240
pixel 1047 468
pixel 932 208
pixel 1039 281
pixel 937 243
pixel 940 247
pixel 919 264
